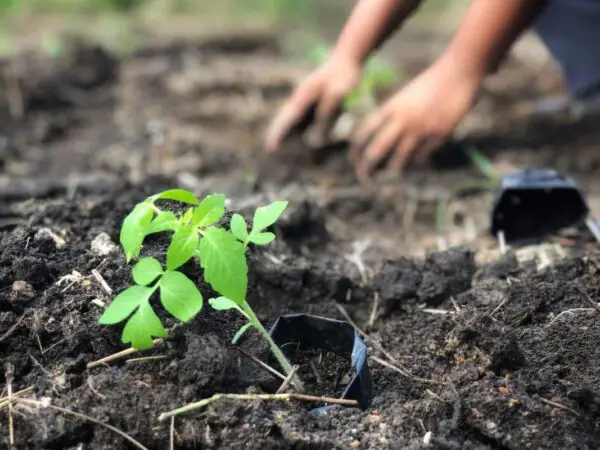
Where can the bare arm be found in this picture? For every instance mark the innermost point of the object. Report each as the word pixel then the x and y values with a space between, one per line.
pixel 370 24
pixel 488 31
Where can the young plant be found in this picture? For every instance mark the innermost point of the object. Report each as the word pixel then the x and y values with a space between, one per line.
pixel 196 232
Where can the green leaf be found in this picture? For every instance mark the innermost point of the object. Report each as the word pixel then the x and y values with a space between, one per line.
pixel 134 229
pixel 238 334
pixel 224 304
pixel 209 211
pixel 180 195
pixel 146 271
pixel 180 296
pixel 482 163
pixel 267 215
pixel 239 227
pixel 224 262
pixel 187 217
pixel 182 247
pixel 143 326
pixel 164 221
pixel 124 304
pixel 262 238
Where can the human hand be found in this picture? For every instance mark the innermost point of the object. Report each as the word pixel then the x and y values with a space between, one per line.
pixel 416 120
pixel 322 92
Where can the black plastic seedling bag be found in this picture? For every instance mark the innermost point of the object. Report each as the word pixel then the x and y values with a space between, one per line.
pixel 332 335
pixel 535 202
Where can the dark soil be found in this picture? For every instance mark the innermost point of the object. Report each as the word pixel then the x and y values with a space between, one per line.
pixel 492 356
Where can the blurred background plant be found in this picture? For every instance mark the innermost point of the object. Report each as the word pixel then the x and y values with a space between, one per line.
pixel 124 25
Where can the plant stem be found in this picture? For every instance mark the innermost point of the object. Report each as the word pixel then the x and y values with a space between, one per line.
pixel 285 364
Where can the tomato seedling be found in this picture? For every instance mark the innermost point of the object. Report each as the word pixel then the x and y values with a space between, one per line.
pixel 196 232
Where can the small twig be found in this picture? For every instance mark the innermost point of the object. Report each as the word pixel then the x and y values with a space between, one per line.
pixel 569 311
pixel 9 370
pixel 437 311
pixel 434 395
pixel 250 397
pixel 4 400
pixel 46 350
pixel 262 364
pixel 102 282
pixel 287 381
pixel 502 242
pixel 93 389
pixel 374 308
pixel 456 307
pixel 587 297
pixel 404 372
pixel 12 329
pixel 558 405
pixel 368 338
pixel 146 358
pixel 118 355
pixel 497 308
pixel 43 405
pixel 172 434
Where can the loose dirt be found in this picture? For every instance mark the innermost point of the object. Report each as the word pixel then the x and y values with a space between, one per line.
pixel 496 351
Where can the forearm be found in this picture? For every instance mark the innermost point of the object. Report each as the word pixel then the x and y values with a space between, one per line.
pixel 487 33
pixel 371 23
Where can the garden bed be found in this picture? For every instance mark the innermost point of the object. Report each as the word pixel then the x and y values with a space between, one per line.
pixel 495 355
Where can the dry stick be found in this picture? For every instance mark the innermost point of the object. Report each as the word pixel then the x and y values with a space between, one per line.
pixel 588 298
pixel 502 242
pixel 262 364
pixel 172 434
pixel 146 358
pixel 100 279
pixel 251 397
pixel 117 355
pixel 373 315
pixel 404 372
pixel 497 308
pixel 287 381
pixel 12 329
pixel 558 405
pixel 9 374
pixel 368 338
pixel 4 400
pixel 382 350
pixel 569 311
pixel 81 416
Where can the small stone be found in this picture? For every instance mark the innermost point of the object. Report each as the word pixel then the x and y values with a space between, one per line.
pixel 490 425
pixel 22 289
pixel 102 245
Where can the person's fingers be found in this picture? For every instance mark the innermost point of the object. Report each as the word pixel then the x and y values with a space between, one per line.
pixel 363 135
pixel 378 148
pixel 427 148
pixel 326 113
pixel 403 151
pixel 291 114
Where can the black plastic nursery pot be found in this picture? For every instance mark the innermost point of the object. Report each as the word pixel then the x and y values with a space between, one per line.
pixel 312 332
pixel 536 202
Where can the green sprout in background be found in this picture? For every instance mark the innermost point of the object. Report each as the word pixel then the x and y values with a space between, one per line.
pixel 377 75
pixel 197 233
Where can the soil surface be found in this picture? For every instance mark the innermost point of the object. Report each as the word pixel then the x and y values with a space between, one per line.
pixel 491 350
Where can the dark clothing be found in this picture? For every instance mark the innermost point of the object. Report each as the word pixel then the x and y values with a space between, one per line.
pixel 571 31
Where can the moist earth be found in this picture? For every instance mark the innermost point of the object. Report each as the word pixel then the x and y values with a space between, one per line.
pixel 496 355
